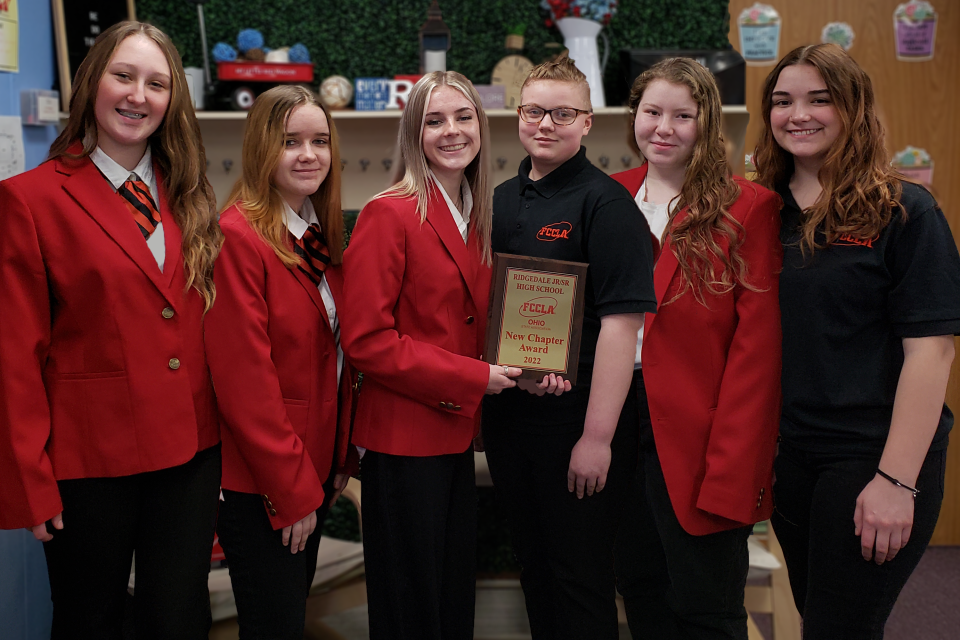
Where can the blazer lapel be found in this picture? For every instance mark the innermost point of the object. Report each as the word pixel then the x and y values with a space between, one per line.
pixel 307 283
pixel 440 218
pixel 633 179
pixel 172 237
pixel 95 196
pixel 664 272
pixel 334 277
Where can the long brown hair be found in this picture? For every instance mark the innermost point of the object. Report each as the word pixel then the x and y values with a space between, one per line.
pixel 176 146
pixel 860 189
pixel 413 167
pixel 708 188
pixel 260 201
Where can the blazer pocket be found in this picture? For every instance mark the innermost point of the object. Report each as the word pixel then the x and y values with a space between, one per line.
pixel 94 375
pixel 298 412
pixel 93 412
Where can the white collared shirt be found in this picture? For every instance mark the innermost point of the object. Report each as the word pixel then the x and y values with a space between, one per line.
pixel 462 220
pixel 297 225
pixel 117 175
pixel 657 215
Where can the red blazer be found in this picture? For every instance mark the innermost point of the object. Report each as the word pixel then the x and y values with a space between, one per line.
pixel 274 363
pixel 712 376
pixel 102 367
pixel 414 317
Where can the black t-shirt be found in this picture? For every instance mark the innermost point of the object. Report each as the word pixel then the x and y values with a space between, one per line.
pixel 575 213
pixel 845 311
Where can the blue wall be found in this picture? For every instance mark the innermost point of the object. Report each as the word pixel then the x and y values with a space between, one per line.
pixel 25 607
pixel 37 71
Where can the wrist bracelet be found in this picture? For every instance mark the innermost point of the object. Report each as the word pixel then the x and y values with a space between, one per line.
pixel 915 492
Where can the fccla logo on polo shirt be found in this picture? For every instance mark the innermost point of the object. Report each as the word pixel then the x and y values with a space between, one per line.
pixel 555 231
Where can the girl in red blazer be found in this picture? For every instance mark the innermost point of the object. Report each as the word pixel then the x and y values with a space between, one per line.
pixel 416 283
pixel 108 429
pixel 273 346
pixel 711 366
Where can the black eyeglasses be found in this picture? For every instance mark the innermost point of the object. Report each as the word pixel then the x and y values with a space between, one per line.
pixel 563 116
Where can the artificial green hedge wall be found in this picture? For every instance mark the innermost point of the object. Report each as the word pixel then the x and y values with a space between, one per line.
pixel 378 38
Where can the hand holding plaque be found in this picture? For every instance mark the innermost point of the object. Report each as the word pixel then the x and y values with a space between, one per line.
pixel 536 314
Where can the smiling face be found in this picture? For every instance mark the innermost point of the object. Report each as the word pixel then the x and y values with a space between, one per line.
pixel 666 125
pixel 451 136
pixel 132 98
pixel 550 145
pixel 803 118
pixel 305 160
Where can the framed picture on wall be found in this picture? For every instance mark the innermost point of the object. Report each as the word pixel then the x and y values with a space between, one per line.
pixel 76 24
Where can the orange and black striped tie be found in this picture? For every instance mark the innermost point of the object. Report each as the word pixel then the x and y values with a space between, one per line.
pixel 136 195
pixel 313 251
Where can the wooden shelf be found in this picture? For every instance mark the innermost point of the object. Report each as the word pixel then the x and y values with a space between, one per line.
pixel 350 114
pixel 371 136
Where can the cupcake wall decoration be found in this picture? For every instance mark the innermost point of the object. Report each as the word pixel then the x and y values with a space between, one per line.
pixel 839 33
pixel 915 163
pixel 914 28
pixel 759 34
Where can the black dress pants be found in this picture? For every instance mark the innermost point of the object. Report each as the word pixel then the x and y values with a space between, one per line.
pixel 840 595
pixel 270 584
pixel 564 544
pixel 168 518
pixel 676 586
pixel 420 545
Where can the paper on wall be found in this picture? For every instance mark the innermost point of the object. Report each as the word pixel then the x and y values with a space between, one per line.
pixel 12 159
pixel 9 37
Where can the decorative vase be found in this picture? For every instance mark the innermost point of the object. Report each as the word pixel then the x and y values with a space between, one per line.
pixel 580 37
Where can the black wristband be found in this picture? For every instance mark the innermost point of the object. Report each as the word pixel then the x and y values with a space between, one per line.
pixel 915 492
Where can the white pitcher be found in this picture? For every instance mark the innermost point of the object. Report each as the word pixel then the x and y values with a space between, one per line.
pixel 580 37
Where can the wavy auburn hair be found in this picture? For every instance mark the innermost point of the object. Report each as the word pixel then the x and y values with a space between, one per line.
pixel 260 202
pixel 708 188
pixel 412 174
pixel 176 147
pixel 860 188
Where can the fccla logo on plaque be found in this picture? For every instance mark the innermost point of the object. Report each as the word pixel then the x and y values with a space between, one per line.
pixel 555 231
pixel 538 307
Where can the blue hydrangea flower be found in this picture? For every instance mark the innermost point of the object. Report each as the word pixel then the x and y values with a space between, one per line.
pixel 222 52
pixel 299 53
pixel 249 39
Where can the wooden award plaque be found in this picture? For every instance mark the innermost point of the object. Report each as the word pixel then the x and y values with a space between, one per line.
pixel 536 315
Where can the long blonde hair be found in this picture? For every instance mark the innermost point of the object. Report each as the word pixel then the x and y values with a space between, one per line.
pixel 413 167
pixel 259 199
pixel 176 146
pixel 860 189
pixel 708 188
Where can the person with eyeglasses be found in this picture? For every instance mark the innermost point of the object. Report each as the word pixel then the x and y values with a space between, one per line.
pixel 562 462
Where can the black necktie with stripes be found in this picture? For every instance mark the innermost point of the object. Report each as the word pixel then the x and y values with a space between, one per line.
pixel 314 258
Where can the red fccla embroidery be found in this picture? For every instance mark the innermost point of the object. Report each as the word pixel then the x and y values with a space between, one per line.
pixel 847 240
pixel 555 231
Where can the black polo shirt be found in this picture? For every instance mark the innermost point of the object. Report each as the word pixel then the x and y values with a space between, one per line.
pixel 581 214
pixel 845 311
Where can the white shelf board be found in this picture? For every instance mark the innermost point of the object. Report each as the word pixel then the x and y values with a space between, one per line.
pixel 350 114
